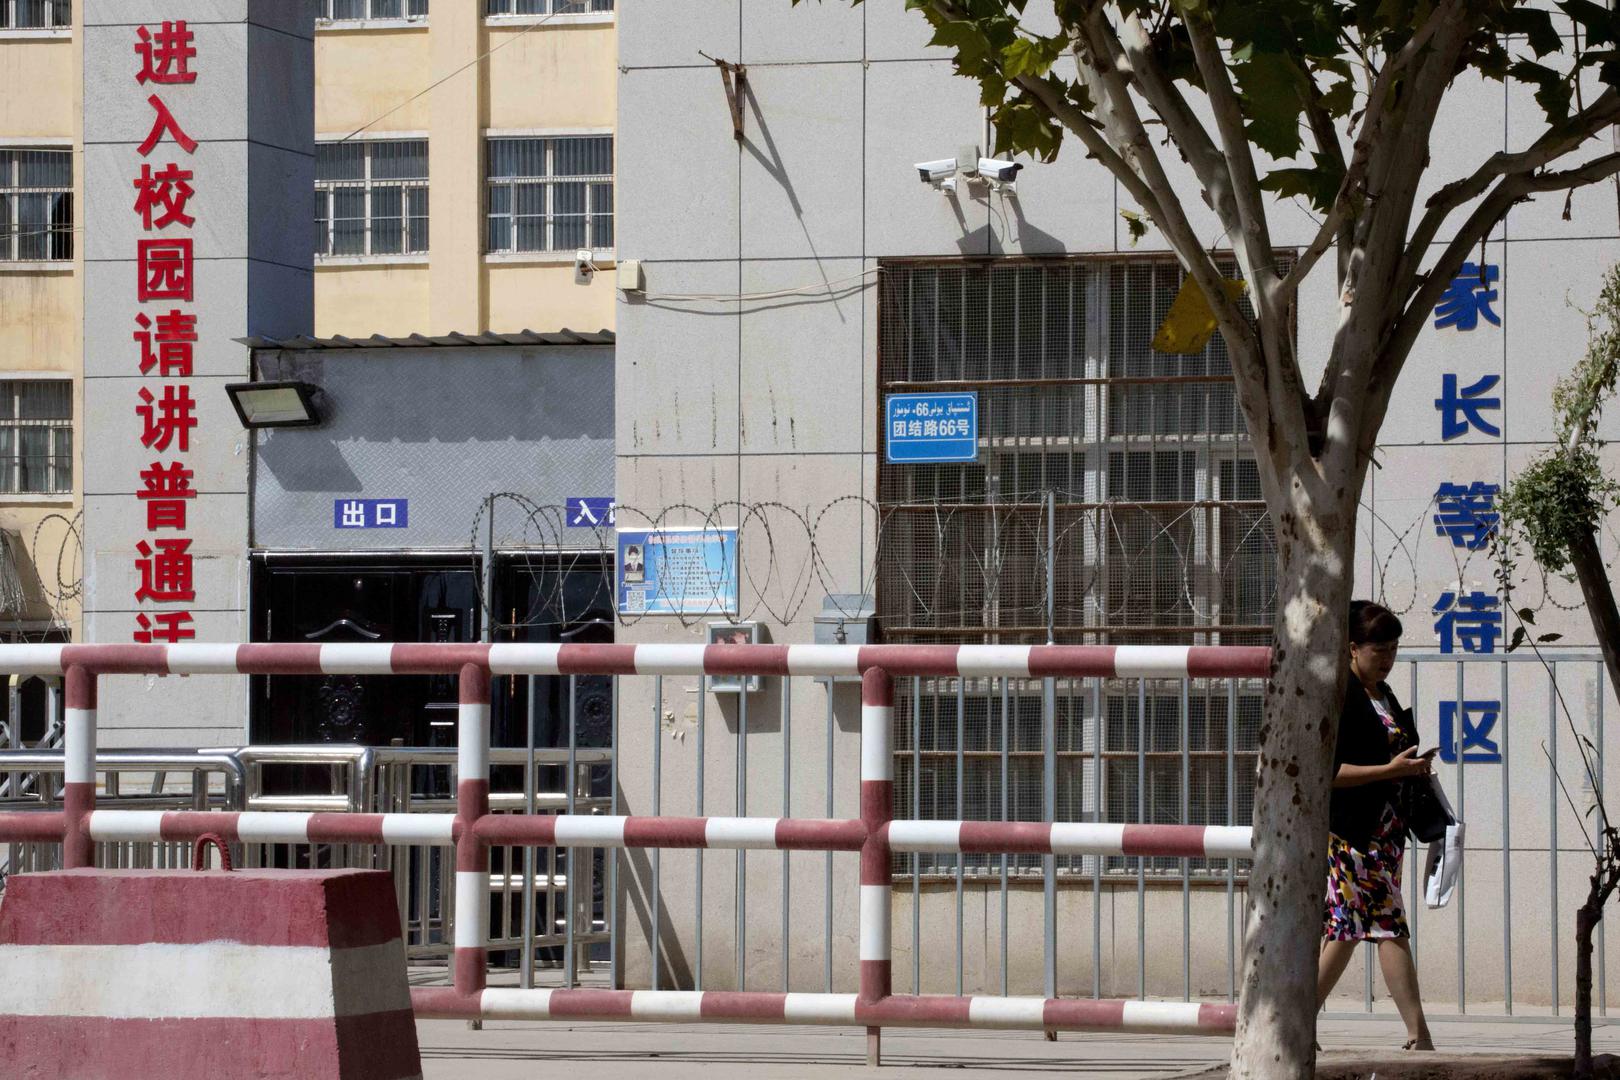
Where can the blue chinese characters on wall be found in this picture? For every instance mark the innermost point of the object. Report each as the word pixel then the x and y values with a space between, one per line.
pixel 370 513
pixel 1463 410
pixel 1468 298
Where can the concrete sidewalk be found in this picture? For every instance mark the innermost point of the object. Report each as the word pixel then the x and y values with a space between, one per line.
pixel 503 1051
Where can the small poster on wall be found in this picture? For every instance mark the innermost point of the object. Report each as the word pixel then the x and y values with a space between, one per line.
pixel 678 571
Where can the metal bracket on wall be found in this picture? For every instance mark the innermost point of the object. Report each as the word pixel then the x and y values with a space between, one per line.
pixel 735 79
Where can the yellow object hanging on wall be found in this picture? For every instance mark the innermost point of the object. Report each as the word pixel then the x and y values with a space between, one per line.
pixel 1190 323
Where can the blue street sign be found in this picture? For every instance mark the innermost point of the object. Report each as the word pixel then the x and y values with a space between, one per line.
pixel 931 428
pixel 586 513
pixel 370 513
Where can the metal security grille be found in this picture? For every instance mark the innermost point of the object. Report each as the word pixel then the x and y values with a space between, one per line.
pixel 371 197
pixel 36 205
pixel 553 194
pixel 36 436
pixel 1114 500
pixel 545 7
pixel 358 10
pixel 35 14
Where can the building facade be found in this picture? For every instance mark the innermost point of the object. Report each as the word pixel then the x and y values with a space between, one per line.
pixel 799 273
pixel 455 211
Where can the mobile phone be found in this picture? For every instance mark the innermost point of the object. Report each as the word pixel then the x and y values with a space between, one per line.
pixel 1430 752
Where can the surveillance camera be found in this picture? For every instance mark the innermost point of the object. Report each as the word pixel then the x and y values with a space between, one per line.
pixel 932 172
pixel 997 170
pixel 584 265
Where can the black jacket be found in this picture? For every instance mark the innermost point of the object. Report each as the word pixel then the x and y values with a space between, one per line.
pixel 1354 812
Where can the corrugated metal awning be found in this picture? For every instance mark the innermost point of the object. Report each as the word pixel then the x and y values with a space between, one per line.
pixel 424 341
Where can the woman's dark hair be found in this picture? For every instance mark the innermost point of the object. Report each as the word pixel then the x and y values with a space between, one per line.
pixel 1372 624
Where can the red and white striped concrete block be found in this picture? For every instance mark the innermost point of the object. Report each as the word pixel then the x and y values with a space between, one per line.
pixel 1072 838
pixel 280 827
pixel 142 973
pixel 983 661
pixel 848 1010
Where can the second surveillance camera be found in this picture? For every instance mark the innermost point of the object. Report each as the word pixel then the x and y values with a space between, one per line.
pixel 932 172
pixel 1004 172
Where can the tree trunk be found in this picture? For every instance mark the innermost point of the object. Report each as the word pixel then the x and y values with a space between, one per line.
pixel 1599 597
pixel 1586 920
pixel 1276 1022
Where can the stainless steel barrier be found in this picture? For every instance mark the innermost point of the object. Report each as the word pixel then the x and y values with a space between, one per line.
pixel 211 780
pixel 565 920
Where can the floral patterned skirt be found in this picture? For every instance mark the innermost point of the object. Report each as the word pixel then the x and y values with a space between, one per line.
pixel 1364 887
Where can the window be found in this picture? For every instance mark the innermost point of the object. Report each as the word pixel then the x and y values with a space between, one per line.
pixel 35 14
pixel 36 205
pixel 358 10
pixel 546 7
pixel 1159 525
pixel 553 194
pixel 36 436
pixel 1160 536
pixel 371 197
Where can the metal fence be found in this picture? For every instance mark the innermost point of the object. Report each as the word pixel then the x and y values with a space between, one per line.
pixel 538 914
pixel 473 830
pixel 1148 750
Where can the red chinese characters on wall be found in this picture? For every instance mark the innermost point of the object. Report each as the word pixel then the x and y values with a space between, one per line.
pixel 165 335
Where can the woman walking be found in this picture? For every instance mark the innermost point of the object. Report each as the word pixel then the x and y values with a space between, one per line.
pixel 1376 755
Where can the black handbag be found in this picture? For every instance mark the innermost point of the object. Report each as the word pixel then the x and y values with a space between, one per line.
pixel 1425 808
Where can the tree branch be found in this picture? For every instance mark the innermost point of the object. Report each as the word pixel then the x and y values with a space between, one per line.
pixel 1336 224
pixel 1238 153
pixel 1391 352
pixel 1552 144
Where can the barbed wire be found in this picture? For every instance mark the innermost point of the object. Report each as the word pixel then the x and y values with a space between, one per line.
pixel 942 569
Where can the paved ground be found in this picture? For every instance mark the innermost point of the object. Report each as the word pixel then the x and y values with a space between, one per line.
pixel 712 1052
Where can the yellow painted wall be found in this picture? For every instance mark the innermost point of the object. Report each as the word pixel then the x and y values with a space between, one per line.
pixel 358 301
pixel 39 321
pixel 555 76
pixel 41 96
pixel 361 74
pixel 528 297
pixel 551 77
pixel 39 87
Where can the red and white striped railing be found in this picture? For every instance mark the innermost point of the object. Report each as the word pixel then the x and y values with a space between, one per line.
pixel 472 829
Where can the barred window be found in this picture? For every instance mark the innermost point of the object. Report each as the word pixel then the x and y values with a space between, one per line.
pixel 36 205
pixel 963 746
pixel 358 10
pixel 545 7
pixel 371 197
pixel 1138 466
pixel 35 14
pixel 550 194
pixel 36 436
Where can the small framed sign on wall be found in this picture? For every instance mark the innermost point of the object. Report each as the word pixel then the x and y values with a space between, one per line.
pixel 734 633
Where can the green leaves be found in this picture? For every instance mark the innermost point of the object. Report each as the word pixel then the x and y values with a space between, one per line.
pixel 1319 185
pixel 1553 91
pixel 1271 87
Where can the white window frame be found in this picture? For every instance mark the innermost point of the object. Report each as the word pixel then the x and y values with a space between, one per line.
pixel 59 472
pixel 58 17
pixel 328 189
pixel 549 246
pixel 325 20
pixel 11 225
pixel 504 11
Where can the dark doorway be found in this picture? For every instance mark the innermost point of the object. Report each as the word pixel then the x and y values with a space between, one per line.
pixel 329 600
